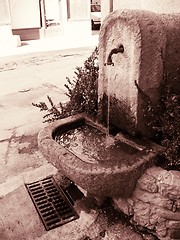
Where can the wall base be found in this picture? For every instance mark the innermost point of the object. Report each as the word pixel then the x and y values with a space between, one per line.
pixel 28 33
pixel 7 40
pixel 155 203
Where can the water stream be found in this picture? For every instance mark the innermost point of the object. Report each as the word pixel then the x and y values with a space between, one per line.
pixel 108 140
pixel 108 102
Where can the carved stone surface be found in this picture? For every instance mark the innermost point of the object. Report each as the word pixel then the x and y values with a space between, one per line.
pixel 99 179
pixel 158 210
pixel 131 78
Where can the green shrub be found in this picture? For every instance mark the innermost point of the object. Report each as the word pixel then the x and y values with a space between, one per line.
pixel 82 92
pixel 164 118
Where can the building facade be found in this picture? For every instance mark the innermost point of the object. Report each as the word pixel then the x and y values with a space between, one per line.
pixel 157 6
pixel 33 19
pixel 42 18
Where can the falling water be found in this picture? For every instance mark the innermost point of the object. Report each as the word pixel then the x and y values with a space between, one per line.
pixel 108 106
pixel 109 140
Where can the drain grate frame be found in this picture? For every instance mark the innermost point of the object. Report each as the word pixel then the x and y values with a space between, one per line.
pixel 51 203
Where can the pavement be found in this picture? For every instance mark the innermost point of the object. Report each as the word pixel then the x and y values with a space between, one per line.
pixel 60 42
pixel 28 74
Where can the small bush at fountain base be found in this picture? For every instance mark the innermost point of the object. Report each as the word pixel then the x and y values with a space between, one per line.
pixel 82 92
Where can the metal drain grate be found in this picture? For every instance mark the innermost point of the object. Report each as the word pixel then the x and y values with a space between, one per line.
pixel 51 203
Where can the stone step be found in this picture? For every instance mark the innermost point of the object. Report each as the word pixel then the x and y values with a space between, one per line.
pixel 7 39
pixel 10 42
pixel 5 31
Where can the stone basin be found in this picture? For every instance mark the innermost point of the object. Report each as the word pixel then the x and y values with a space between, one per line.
pixel 111 172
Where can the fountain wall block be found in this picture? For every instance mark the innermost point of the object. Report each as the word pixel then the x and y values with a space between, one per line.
pixel 151 47
pixel 155 203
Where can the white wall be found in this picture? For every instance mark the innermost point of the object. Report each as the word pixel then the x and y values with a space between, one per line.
pixel 4 12
pixel 157 6
pixel 24 14
pixel 52 9
pixel 76 19
pixel 79 9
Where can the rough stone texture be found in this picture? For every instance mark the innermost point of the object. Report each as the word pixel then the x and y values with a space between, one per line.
pixel 153 208
pixel 98 179
pixel 171 24
pixel 150 49
pixel 143 39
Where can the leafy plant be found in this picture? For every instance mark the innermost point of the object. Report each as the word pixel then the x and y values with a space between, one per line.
pixel 81 90
pixel 53 112
pixel 164 119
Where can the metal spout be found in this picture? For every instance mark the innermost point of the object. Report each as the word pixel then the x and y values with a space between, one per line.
pixel 119 49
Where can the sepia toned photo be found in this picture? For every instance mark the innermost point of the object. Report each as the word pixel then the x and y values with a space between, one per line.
pixel 89 119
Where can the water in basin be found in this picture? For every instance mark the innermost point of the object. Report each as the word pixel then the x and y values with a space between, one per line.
pixel 90 145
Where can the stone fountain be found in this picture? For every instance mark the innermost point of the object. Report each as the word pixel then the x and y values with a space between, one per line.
pixel 103 175
pixel 132 56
